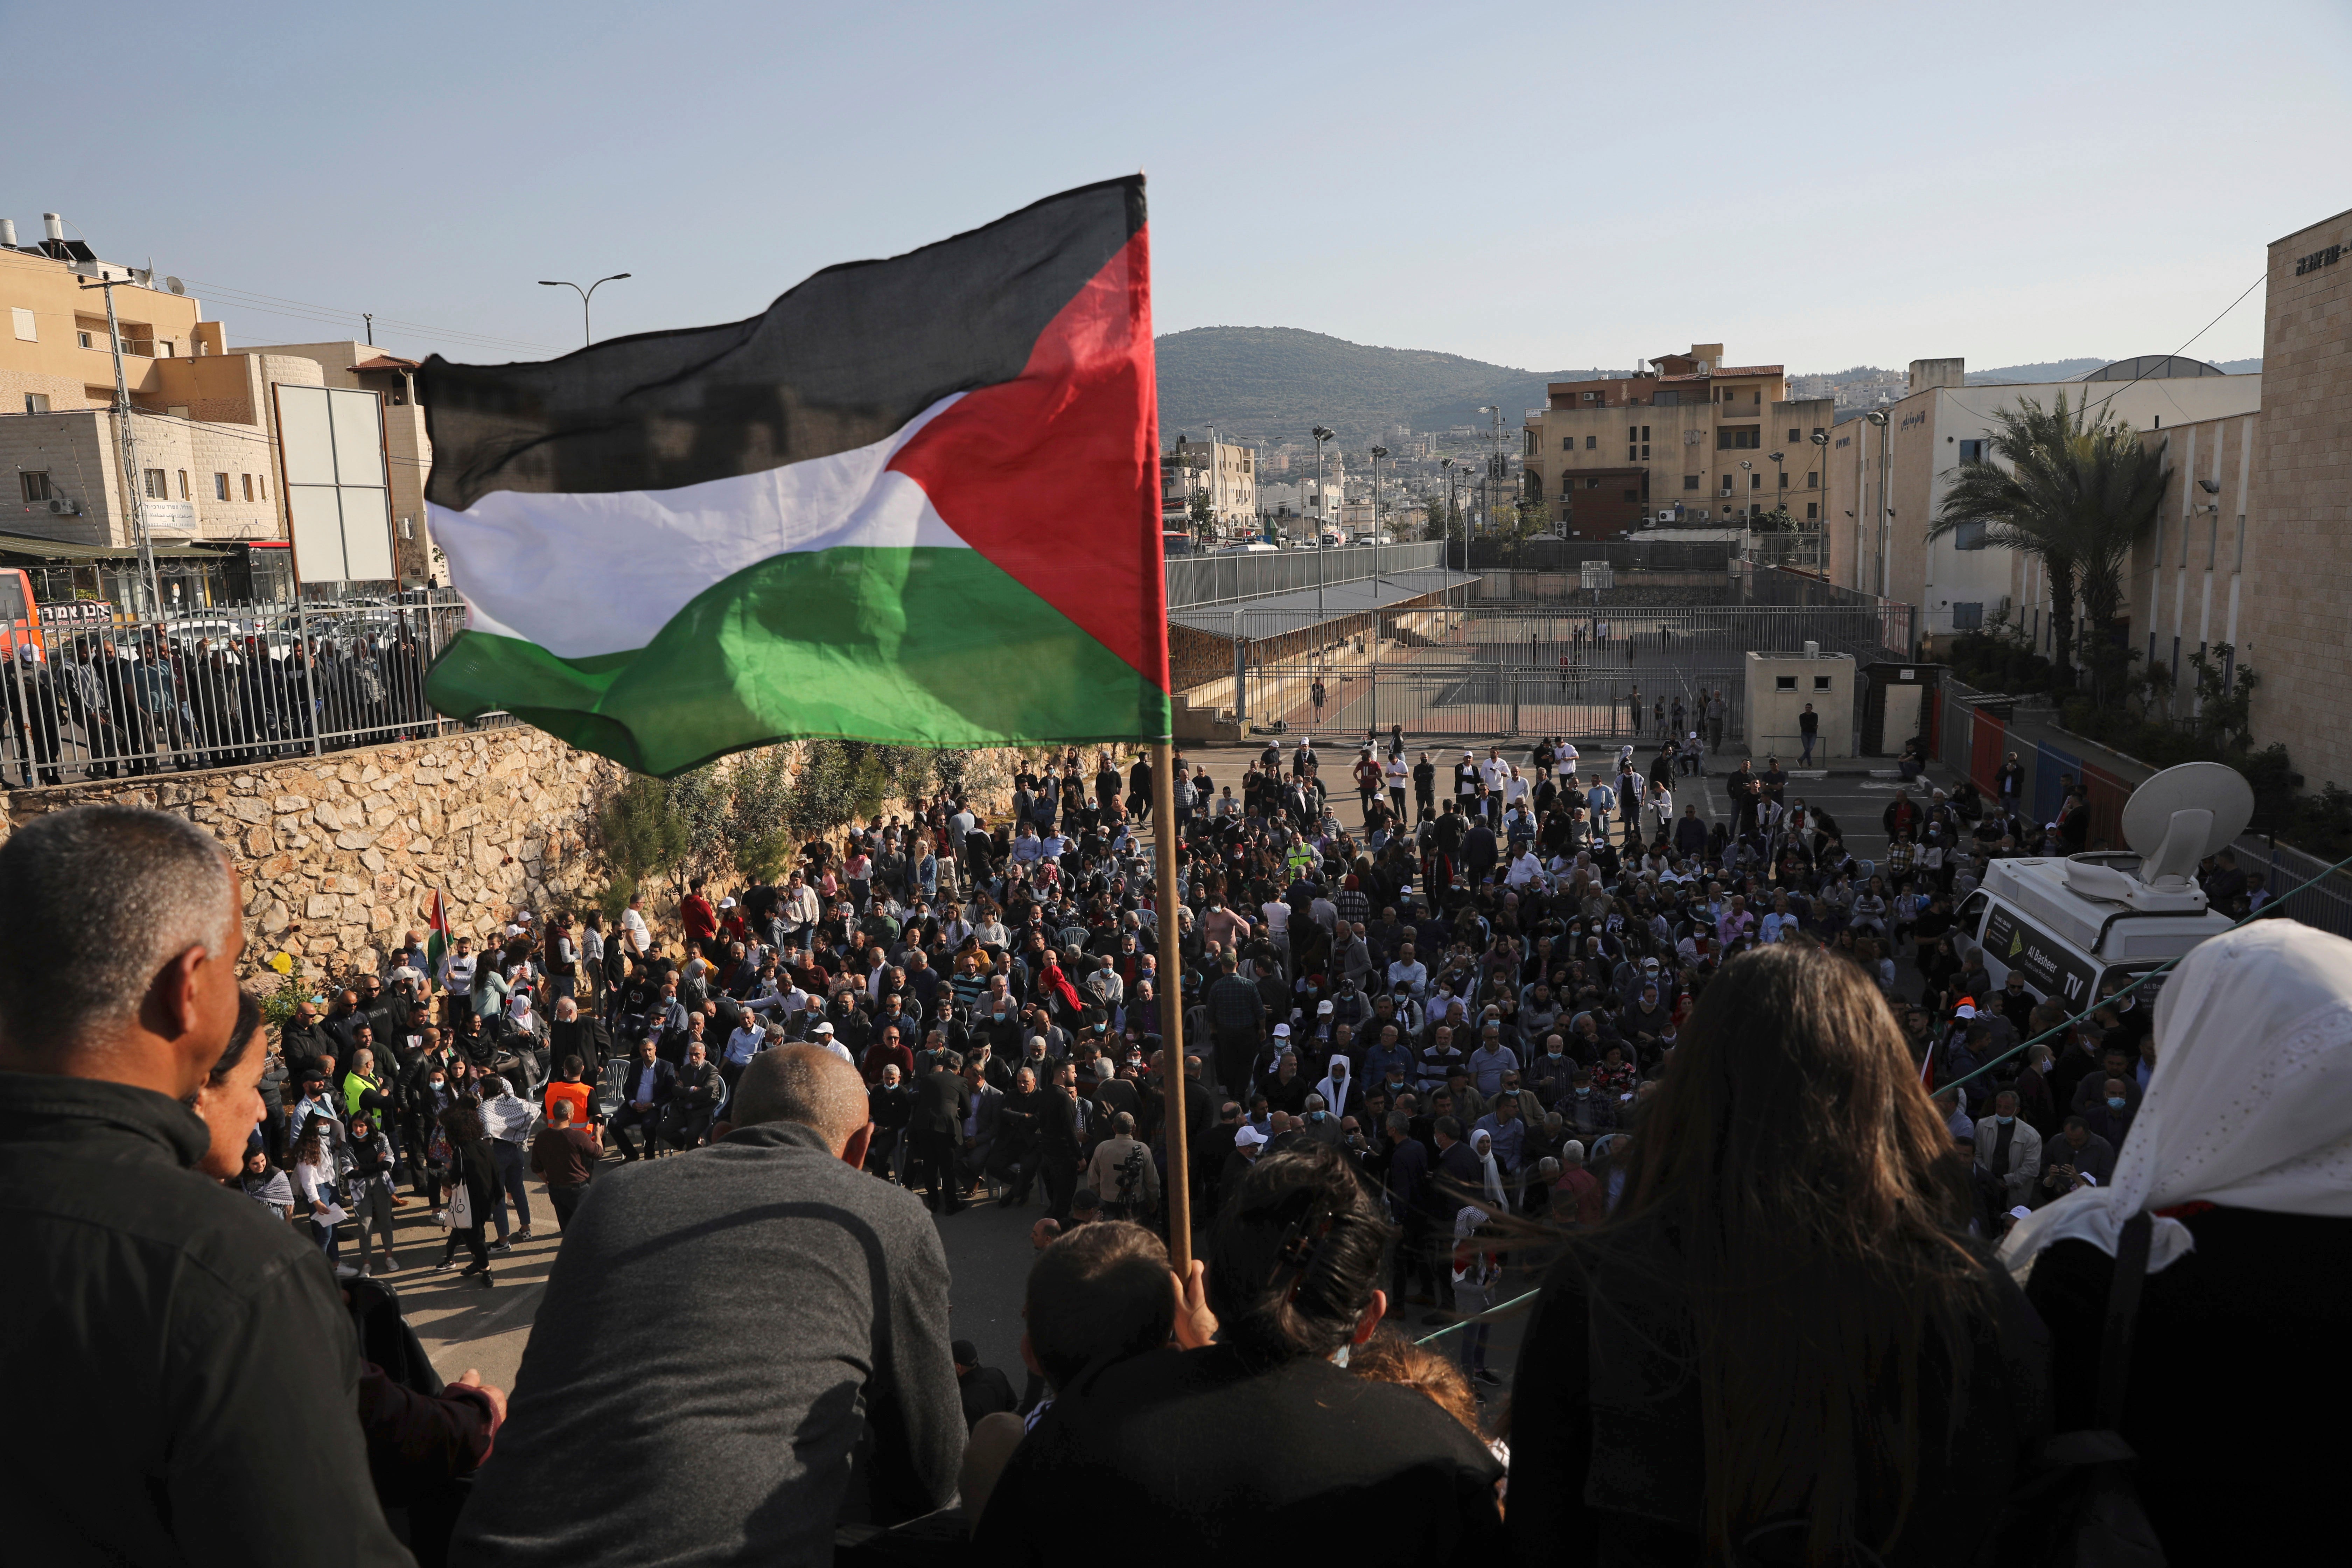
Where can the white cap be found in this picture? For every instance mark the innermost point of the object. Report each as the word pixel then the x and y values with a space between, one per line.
pixel 1248 1138
pixel 1282 1031
pixel 1323 1009
pixel 1964 1011
pixel 822 1030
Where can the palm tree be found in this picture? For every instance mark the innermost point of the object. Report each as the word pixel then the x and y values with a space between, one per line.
pixel 2070 490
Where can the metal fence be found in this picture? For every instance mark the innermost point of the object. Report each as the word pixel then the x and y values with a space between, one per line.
pixel 1625 555
pixel 2326 903
pixel 92 692
pixel 1480 671
pixel 1244 575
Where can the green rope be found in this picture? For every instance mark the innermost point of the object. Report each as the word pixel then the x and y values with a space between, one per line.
pixel 2276 904
pixel 1465 1323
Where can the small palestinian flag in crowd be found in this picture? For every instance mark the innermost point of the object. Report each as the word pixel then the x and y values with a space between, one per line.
pixel 915 502
pixel 436 937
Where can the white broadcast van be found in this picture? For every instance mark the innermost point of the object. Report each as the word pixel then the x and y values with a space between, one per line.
pixel 2072 924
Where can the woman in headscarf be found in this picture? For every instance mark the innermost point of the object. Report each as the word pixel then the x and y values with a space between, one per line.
pixel 1490 1174
pixel 1337 1086
pixel 2242 1155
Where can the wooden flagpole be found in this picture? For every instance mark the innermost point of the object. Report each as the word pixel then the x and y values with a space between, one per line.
pixel 1171 971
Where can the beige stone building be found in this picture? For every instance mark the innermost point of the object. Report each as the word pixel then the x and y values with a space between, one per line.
pixel 2256 544
pixel 1692 440
pixel 1888 471
pixel 209 470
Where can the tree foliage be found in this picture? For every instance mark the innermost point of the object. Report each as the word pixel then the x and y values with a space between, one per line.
pixel 2068 488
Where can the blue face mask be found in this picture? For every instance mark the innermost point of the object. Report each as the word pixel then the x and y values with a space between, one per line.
pixel 1582 1090
pixel 1316 1115
pixel 2114 1102
pixel 2004 1120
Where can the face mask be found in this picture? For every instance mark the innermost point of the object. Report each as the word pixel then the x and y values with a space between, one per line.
pixel 436 1083
pixel 1581 1091
pixel 2004 1120
pixel 2114 1102
pixel 1316 1115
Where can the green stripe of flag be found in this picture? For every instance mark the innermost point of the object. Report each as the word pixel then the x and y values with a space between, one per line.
pixel 906 647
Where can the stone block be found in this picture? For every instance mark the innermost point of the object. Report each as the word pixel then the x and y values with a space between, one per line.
pixel 321 906
pixel 290 804
pixel 354 838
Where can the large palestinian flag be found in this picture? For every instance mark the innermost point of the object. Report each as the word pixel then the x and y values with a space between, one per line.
pixel 916 501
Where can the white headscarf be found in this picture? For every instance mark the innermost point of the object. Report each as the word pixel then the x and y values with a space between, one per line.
pixel 1336 1086
pixel 1482 1144
pixel 2250 1102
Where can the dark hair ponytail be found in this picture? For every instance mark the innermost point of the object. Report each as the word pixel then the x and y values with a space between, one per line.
pixel 1295 1255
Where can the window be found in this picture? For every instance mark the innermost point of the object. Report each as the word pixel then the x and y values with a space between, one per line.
pixel 1645 432
pixel 1568 442
pixel 1784 478
pixel 184 484
pixel 1634 494
pixel 1754 481
pixel 249 484
pixel 36 485
pixel 1812 512
pixel 1795 437
pixel 1973 451
pixel 1737 439
pixel 1593 443
pixel 83 339
pixel 1820 683
pixel 36 402
pixel 1784 683
pixel 1593 483
pixel 1633 434
pixel 1690 481
pixel 25 333
pixel 262 481
pixel 220 487
pixel 1968 536
pixel 1968 617
pixel 1668 399
pixel 157 489
pixel 1812 480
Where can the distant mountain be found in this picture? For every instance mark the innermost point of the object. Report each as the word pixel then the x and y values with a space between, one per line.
pixel 1276 383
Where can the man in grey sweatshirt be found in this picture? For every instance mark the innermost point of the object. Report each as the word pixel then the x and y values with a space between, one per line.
pixel 737 1346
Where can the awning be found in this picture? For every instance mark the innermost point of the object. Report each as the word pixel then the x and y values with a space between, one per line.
pixel 60 550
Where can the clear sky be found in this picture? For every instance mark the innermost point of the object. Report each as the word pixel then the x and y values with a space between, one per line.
pixel 1545 187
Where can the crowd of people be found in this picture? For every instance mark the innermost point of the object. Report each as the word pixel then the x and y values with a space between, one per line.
pixel 1714 1087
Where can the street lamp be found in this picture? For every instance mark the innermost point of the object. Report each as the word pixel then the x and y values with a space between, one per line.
pixel 1377 453
pixel 1322 510
pixel 1822 471
pixel 1779 480
pixel 585 295
pixel 1746 508
pixel 1876 416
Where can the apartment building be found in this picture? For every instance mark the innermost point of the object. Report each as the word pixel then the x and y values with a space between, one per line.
pixel 209 464
pixel 1691 440
pixel 1888 471
pixel 1225 471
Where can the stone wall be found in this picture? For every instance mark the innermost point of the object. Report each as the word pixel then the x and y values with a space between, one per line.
pixel 338 856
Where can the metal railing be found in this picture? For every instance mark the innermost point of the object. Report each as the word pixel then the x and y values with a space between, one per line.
pixel 96 692
pixel 1195 580
pixel 1588 673
pixel 1563 554
pixel 2326 903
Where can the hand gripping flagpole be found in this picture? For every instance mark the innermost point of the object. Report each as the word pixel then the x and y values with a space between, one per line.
pixel 1170 969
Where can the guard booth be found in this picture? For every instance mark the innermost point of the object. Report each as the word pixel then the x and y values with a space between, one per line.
pixel 1898 702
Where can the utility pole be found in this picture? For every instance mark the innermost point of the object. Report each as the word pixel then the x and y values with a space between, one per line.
pixel 1322 510
pixel 1878 418
pixel 134 478
pixel 1216 496
pixel 1377 453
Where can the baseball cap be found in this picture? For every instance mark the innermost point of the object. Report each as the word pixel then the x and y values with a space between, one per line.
pixel 1323 1009
pixel 965 1353
pixel 1248 1138
pixel 1964 1011
pixel 1282 1031
pixel 822 1030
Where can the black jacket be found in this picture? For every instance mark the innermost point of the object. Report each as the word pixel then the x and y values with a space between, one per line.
pixel 941 1101
pixel 1187 1457
pixel 193 1369
pixel 665 1082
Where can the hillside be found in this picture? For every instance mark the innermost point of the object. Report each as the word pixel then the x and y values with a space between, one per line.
pixel 1274 383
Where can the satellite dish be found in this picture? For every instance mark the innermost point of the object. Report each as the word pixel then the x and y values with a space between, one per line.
pixel 2184 814
pixel 175 286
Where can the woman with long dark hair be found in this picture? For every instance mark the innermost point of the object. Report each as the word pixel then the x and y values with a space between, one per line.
pixel 473 1174
pixel 1783 1346
pixel 1260 1444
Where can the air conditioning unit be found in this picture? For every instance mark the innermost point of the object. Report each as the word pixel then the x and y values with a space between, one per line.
pixel 60 507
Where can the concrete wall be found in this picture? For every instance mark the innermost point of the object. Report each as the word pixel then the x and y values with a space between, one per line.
pixel 2183 584
pixel 1825 680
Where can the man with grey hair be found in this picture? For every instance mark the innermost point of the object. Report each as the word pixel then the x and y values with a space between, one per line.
pixel 828 1291
pixel 148 1314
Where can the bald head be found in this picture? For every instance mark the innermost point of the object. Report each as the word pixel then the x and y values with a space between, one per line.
pixel 803 1084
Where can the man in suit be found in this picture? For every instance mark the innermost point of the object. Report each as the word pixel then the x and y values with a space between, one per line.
pixel 1060 1139
pixel 934 1131
pixel 647 1085
pixel 978 1155
pixel 694 1099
